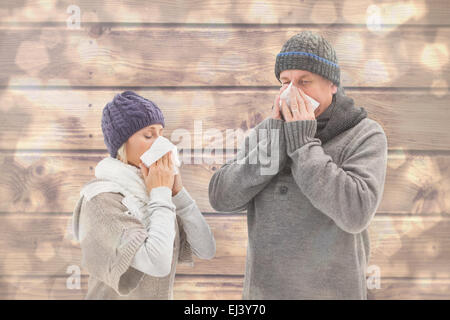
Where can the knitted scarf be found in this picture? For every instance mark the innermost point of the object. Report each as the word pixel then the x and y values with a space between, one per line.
pixel 115 176
pixel 338 117
pixel 126 175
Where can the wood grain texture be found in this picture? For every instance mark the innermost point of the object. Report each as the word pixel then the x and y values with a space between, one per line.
pixel 223 12
pixel 50 182
pixel 42 245
pixel 55 287
pixel 213 61
pixel 210 288
pixel 105 55
pixel 71 119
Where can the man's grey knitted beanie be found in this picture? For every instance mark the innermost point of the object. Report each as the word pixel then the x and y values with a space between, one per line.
pixel 309 51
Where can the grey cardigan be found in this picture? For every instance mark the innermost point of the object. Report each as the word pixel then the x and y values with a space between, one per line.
pixel 307 222
pixel 110 238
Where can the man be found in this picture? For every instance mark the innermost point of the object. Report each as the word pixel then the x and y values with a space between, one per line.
pixel 307 222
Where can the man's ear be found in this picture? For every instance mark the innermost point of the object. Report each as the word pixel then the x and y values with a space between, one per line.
pixel 333 88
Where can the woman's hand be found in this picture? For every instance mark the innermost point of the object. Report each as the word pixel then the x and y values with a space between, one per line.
pixel 177 186
pixel 160 173
pixel 300 109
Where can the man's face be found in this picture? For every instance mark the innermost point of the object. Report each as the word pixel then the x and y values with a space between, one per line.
pixel 314 85
pixel 141 141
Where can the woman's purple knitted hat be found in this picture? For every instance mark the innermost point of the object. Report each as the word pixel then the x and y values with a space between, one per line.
pixel 126 114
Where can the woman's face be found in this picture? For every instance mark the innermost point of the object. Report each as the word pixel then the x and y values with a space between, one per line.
pixel 141 141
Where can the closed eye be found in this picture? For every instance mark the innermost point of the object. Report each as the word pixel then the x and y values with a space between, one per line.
pixel 301 82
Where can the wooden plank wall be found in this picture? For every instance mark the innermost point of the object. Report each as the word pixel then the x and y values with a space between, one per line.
pixel 213 61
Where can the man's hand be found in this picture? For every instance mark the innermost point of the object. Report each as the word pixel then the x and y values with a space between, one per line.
pixel 300 109
pixel 276 111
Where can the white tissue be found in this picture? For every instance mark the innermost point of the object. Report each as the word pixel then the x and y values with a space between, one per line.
pixel 286 96
pixel 159 148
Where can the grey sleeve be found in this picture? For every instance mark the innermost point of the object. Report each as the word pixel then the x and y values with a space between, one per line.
pixel 198 233
pixel 350 193
pixel 154 257
pixel 258 160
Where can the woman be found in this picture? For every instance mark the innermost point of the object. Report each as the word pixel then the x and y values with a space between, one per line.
pixel 135 223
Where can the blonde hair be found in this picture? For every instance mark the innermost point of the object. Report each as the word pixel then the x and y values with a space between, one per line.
pixel 122 153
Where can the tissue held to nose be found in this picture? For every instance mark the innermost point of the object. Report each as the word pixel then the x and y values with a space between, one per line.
pixel 286 96
pixel 159 148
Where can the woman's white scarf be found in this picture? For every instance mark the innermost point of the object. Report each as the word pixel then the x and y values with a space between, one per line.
pixel 114 175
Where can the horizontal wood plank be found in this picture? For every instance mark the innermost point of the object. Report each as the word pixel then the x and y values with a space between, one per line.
pixel 225 12
pixel 42 245
pixel 105 55
pixel 210 288
pixel 411 289
pixel 71 119
pixel 50 182
pixel 56 288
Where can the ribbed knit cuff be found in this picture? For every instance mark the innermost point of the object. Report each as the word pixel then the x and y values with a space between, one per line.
pixel 274 124
pixel 161 193
pixel 182 199
pixel 298 133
